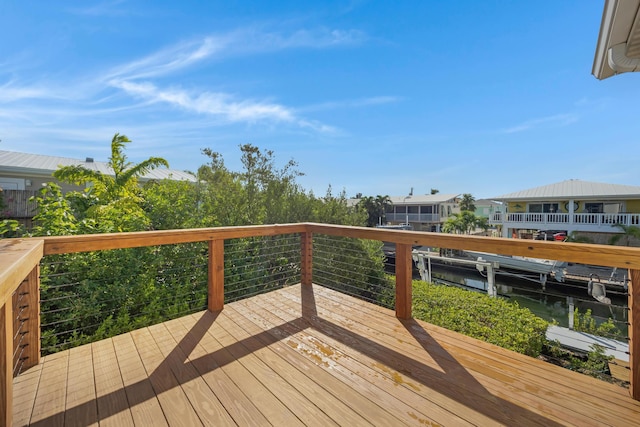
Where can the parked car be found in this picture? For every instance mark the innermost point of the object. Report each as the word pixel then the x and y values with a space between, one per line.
pixel 556 235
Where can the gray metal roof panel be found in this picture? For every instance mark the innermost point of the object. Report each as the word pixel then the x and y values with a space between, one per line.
pixel 38 164
pixel 419 199
pixel 573 188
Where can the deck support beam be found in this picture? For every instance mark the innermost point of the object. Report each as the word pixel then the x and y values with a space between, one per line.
pixel 306 258
pixel 634 333
pixel 215 279
pixel 404 263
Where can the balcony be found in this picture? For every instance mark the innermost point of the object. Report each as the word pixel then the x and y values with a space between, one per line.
pixel 301 354
pixel 413 217
pixel 579 221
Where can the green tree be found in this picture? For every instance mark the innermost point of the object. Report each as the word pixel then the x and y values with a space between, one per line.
pixel 111 202
pixel 465 222
pixel 375 208
pixel 467 203
pixel 629 234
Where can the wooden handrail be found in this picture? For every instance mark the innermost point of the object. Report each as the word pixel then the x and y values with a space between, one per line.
pixel 19 259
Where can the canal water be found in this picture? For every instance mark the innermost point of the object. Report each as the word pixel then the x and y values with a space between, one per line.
pixel 550 303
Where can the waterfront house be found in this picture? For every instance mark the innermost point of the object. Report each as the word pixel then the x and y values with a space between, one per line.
pixel 23 174
pixel 426 212
pixel 591 209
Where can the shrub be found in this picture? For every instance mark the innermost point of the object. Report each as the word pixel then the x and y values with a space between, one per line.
pixel 493 320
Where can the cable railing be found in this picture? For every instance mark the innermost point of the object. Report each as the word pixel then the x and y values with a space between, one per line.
pixel 95 295
pixel 353 267
pixel 117 280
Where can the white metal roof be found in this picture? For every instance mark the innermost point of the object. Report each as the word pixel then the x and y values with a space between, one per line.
pixel 574 188
pixel 423 199
pixel 40 165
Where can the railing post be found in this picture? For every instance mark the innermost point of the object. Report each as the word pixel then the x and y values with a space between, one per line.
pixel 6 364
pixel 634 333
pixel 306 258
pixel 215 282
pixel 404 264
pixel 27 322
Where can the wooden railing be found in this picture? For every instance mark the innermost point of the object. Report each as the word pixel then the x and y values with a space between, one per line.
pixel 19 282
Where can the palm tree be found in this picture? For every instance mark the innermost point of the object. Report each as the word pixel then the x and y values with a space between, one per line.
pixel 629 232
pixel 125 174
pixel 112 202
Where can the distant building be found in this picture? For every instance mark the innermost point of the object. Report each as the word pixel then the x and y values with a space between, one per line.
pixel 590 208
pixel 23 174
pixel 486 208
pixel 423 212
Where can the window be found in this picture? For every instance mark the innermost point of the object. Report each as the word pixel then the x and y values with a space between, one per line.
pixel 426 209
pixel 413 209
pixel 543 208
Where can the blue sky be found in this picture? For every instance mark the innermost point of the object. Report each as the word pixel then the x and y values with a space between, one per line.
pixel 374 97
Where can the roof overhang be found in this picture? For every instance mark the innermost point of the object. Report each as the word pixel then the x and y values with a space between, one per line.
pixel 618 48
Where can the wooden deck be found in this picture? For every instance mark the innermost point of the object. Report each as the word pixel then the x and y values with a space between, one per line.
pixel 307 356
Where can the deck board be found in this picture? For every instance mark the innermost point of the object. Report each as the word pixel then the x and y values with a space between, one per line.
pixel 307 356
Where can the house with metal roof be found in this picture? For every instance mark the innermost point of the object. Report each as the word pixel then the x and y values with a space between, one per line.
pixel 23 174
pixel 569 206
pixel 426 212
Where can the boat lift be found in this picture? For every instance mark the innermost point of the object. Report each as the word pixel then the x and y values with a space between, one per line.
pixel 423 261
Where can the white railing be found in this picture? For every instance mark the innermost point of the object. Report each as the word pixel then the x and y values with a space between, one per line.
pixel 413 217
pixel 596 219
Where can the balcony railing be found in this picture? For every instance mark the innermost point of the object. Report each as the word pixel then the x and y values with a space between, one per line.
pixel 412 217
pixel 597 219
pixel 20 259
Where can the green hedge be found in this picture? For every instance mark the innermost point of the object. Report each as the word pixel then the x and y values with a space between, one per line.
pixel 493 320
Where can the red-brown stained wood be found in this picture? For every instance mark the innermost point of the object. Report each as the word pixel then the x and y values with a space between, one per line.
pixel 404 264
pixel 306 258
pixel 216 275
pixel 634 333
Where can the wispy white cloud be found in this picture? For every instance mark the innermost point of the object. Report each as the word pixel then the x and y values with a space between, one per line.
pixel 220 105
pixel 107 97
pixel 169 60
pixel 556 120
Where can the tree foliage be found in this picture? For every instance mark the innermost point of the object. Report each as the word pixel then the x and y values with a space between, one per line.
pixel 467 203
pixel 630 233
pixel 375 208
pixel 90 296
pixel 493 320
pixel 465 222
